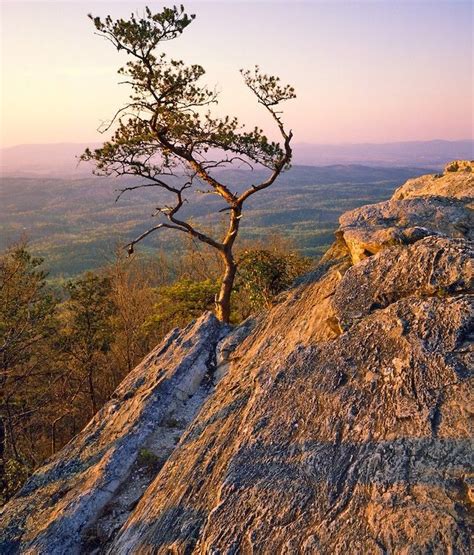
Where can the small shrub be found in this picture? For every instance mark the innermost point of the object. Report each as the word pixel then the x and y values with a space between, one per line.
pixel 182 302
pixel 14 477
pixel 148 460
pixel 264 274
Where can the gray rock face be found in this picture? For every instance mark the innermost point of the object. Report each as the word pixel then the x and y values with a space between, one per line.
pixel 106 465
pixel 341 420
pixel 432 266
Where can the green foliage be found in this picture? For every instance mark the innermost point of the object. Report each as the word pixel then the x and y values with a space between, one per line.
pixel 15 474
pixel 26 306
pixel 164 114
pixel 27 324
pixel 264 274
pixel 87 331
pixel 182 302
pixel 147 460
pixel 89 309
pixel 145 33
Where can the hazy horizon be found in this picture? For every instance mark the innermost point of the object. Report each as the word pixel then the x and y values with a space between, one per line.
pixel 61 158
pixel 365 72
pixel 295 143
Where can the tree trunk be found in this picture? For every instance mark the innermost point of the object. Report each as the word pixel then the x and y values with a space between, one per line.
pixel 223 298
pixel 4 493
pixel 90 379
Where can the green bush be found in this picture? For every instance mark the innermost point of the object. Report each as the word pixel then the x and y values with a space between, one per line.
pixel 15 474
pixel 148 460
pixel 264 274
pixel 182 302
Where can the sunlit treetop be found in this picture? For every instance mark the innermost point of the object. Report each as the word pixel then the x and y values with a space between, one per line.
pixel 165 109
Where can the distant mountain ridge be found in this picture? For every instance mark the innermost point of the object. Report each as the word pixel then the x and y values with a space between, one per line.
pixel 61 159
pixel 435 154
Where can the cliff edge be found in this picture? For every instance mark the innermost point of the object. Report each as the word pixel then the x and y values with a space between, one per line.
pixel 340 421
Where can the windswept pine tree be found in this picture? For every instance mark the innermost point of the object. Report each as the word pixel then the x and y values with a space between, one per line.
pixel 168 136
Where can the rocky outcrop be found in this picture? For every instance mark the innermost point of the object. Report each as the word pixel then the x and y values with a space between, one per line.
pixel 338 422
pixel 356 447
pixel 433 266
pixel 428 205
pixel 88 490
pixel 372 228
pixel 457 181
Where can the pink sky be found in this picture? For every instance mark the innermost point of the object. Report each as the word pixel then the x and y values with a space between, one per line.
pixel 372 71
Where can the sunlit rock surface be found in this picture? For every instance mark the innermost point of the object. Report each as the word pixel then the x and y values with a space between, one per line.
pixel 457 181
pixel 433 266
pixel 338 422
pixel 427 205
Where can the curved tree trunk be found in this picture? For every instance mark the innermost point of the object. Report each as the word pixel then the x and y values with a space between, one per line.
pixel 223 298
pixel 230 267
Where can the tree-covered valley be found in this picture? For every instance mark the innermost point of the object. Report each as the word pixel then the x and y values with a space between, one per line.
pixel 75 223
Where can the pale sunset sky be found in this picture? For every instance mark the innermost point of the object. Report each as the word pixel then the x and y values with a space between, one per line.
pixel 364 71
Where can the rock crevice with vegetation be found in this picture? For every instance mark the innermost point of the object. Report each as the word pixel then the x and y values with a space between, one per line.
pixel 339 421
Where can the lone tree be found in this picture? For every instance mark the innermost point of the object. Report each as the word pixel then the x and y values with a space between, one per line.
pixel 166 134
